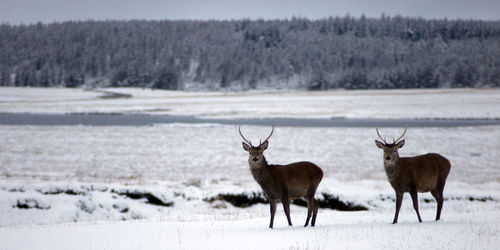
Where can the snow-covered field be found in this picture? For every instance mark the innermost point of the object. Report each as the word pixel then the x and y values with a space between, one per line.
pixel 464 228
pixel 159 187
pixel 417 103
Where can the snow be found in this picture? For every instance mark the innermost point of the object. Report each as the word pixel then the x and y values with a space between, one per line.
pixel 64 187
pixel 467 228
pixel 415 103
pixel 179 152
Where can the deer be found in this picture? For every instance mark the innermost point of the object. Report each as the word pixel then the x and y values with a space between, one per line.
pixel 284 182
pixel 417 174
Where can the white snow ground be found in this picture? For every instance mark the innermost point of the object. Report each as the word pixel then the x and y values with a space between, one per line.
pixel 463 229
pixel 415 103
pixel 73 177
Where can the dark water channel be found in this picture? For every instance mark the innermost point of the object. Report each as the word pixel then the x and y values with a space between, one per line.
pixel 148 120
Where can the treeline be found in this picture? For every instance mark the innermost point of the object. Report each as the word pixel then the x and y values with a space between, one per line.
pixel 297 53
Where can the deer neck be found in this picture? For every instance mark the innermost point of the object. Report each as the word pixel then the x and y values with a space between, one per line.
pixel 259 169
pixel 391 168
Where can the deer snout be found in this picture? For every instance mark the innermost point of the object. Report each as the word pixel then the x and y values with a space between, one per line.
pixel 387 158
pixel 255 159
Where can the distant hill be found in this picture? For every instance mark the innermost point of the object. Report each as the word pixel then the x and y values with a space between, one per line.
pixel 338 52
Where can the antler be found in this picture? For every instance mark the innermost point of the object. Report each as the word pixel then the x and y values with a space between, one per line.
pixel 379 136
pixel 245 139
pixel 268 136
pixel 404 132
pixel 260 143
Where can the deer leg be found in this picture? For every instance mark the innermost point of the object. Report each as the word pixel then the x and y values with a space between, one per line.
pixel 272 204
pixel 315 212
pixel 399 200
pixel 414 197
pixel 438 194
pixel 286 207
pixel 439 200
pixel 310 206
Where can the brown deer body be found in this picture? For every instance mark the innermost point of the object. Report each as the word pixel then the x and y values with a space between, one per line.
pixel 423 173
pixel 284 182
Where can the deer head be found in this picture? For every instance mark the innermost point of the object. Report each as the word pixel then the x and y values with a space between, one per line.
pixel 256 152
pixel 391 149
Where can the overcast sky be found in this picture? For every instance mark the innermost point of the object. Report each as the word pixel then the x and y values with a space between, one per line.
pixel 46 11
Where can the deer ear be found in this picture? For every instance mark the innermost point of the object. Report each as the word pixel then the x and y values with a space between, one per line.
pixel 400 144
pixel 264 145
pixel 379 144
pixel 246 147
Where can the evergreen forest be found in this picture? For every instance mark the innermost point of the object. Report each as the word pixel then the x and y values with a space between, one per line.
pixel 297 53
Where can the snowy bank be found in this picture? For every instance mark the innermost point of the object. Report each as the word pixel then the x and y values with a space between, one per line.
pixel 55 203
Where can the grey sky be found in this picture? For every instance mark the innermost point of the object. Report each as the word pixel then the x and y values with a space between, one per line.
pixel 31 11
